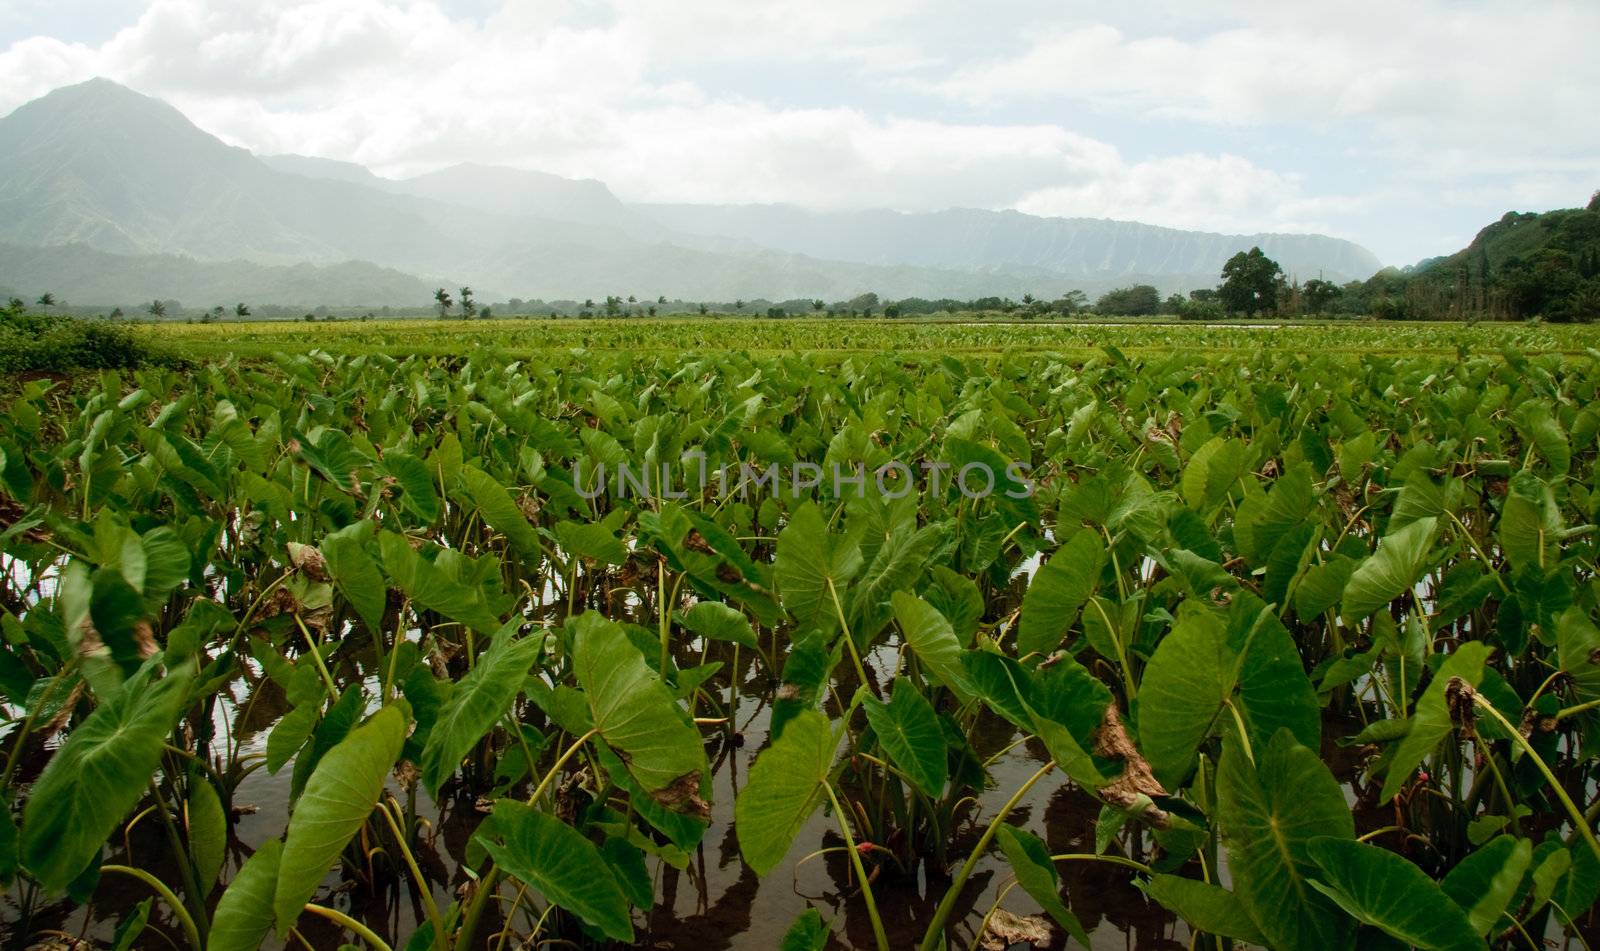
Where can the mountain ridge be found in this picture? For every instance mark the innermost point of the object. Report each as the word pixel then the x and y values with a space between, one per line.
pixel 123 173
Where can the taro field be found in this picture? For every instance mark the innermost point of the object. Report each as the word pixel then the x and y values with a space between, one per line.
pixel 803 636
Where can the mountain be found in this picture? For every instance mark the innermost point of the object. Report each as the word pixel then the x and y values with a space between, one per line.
pixel 1091 248
pixel 1525 264
pixel 85 277
pixel 102 166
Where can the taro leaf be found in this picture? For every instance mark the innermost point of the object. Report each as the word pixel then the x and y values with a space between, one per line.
pixel 166 561
pixel 499 511
pixel 1030 863
pixel 117 610
pixel 337 800
pixel 416 484
pixel 208 832
pixel 1530 523
pixel 1002 683
pixel 1382 889
pixel 785 786
pixel 1197 670
pixel 1483 882
pixel 719 622
pixel 1183 692
pixel 897 566
pixel 1390 571
pixel 561 863
pixel 244 912
pixel 129 928
pixel 933 642
pixel 431 588
pixel 1322 586
pixel 1430 722
pixel 1578 645
pixel 98 775
pixel 355 573
pixel 1068 707
pixel 1268 811
pixel 956 597
pixel 1058 591
pixel 592 540
pixel 909 730
pixel 685 831
pixel 814 567
pixel 636 714
pixel 335 725
pixel 808 933
pixel 1206 907
pixel 479 700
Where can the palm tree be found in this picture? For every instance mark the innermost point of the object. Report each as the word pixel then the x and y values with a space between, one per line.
pixel 157 309
pixel 468 308
pixel 47 299
pixel 442 298
pixel 817 304
pixel 116 313
pixel 240 310
pixel 738 305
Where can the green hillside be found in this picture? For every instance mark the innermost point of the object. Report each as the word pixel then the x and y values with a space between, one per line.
pixel 1523 265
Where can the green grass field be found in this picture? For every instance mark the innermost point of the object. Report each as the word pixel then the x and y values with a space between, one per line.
pixel 525 336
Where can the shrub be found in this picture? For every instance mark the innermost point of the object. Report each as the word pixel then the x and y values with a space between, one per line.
pixel 58 343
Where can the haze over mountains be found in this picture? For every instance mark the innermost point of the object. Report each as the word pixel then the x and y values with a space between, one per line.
pixel 104 194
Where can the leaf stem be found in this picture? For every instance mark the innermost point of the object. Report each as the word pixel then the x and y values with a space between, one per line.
pixel 160 888
pixel 1578 819
pixel 861 872
pixel 345 921
pixel 931 939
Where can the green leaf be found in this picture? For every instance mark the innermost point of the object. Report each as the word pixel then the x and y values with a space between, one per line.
pixel 1185 685
pixel 784 789
pixel 1030 863
pixel 565 867
pixel 416 484
pixel 337 800
pixel 208 832
pixel 478 702
pixel 1322 586
pixel 809 561
pixel 244 912
pixel 808 933
pixel 98 775
pixel 428 585
pixel 933 641
pixel 500 512
pixel 1530 523
pixel 1430 723
pixel 1269 811
pixel 166 562
pixel 1206 907
pixel 1381 889
pixel 1390 571
pixel 1058 591
pixel 1578 645
pixel 909 730
pixel 1483 882
pixel 591 540
pixel 636 714
pixel 129 928
pixel 719 622
pixel 355 573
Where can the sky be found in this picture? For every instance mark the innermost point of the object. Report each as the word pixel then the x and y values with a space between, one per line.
pixel 1405 125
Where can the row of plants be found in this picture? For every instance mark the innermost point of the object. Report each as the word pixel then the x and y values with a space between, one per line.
pixel 386 582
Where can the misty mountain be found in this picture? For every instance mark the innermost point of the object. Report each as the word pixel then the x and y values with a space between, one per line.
pixel 1092 248
pixel 104 167
pixel 84 277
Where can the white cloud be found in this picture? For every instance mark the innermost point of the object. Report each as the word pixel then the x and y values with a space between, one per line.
pixel 677 102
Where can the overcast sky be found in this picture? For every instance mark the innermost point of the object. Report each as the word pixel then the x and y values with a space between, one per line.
pixel 1405 126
